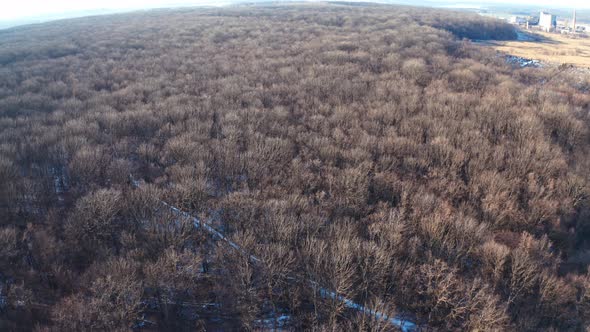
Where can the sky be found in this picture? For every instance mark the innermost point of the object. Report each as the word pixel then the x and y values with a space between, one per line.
pixel 19 9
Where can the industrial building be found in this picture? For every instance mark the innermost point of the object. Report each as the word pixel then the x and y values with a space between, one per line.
pixel 518 20
pixel 547 21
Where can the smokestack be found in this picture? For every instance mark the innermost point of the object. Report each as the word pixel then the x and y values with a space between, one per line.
pixel 574 22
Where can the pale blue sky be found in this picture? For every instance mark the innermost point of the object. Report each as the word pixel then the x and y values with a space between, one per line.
pixel 17 9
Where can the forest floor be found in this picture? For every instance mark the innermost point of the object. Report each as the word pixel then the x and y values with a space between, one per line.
pixel 548 48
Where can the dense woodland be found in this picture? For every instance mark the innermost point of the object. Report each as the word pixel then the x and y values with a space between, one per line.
pixel 373 150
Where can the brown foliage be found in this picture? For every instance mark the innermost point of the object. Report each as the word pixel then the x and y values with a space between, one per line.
pixel 367 148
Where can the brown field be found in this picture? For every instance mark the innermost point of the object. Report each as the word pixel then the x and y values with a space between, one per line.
pixel 553 48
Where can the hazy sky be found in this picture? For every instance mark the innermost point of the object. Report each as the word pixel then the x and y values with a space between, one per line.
pixel 16 9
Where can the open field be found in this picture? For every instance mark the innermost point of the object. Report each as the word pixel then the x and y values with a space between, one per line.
pixel 551 47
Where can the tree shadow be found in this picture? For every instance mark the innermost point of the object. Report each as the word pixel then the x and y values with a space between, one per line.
pixel 530 36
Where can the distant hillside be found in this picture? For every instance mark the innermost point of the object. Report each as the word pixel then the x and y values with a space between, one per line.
pixel 583 14
pixel 52 17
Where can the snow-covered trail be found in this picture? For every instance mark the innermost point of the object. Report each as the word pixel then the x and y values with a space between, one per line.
pixel 209 229
pixel 404 325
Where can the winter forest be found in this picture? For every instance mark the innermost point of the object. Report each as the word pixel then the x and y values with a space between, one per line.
pixel 312 167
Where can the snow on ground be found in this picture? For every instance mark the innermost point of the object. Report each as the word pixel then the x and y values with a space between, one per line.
pixel 522 62
pixel 270 324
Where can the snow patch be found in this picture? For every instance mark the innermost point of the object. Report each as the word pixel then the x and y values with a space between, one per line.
pixel 270 324
pixel 522 62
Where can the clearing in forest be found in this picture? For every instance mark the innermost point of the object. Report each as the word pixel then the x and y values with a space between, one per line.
pixel 549 48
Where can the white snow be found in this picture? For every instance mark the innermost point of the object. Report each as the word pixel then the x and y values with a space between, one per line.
pixel 404 325
pixel 522 62
pixel 271 323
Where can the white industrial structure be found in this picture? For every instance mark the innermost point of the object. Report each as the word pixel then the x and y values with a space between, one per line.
pixel 547 21
pixel 574 22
